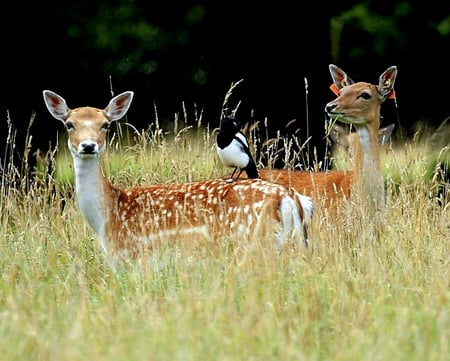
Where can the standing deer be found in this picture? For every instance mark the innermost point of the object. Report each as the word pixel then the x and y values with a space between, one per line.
pixel 128 221
pixel 357 104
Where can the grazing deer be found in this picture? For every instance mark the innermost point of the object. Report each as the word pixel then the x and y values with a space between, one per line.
pixel 128 221
pixel 345 142
pixel 357 104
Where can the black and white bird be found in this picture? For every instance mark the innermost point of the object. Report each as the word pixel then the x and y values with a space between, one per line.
pixel 233 149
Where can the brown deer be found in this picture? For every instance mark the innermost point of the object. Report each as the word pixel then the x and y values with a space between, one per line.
pixel 357 104
pixel 128 221
pixel 345 142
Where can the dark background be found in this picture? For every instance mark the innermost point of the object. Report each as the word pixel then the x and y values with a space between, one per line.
pixel 188 53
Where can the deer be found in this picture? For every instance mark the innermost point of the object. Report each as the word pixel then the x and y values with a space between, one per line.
pixel 345 141
pixel 128 221
pixel 357 104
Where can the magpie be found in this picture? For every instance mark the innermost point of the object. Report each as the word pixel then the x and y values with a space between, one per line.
pixel 233 150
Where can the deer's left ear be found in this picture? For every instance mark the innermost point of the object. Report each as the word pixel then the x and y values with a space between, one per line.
pixel 118 106
pixel 386 83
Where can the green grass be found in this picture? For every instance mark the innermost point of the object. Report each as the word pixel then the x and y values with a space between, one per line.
pixel 350 299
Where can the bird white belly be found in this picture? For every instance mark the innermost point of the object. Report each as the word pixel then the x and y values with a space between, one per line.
pixel 233 155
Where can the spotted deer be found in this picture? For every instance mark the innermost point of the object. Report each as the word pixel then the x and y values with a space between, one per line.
pixel 357 104
pixel 129 220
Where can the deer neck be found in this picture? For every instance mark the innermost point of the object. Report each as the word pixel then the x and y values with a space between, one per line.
pixel 369 177
pixel 92 193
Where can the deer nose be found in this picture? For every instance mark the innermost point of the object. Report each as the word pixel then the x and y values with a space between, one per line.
pixel 88 147
pixel 330 107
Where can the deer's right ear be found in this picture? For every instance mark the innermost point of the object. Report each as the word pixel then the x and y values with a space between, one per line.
pixel 56 105
pixel 340 78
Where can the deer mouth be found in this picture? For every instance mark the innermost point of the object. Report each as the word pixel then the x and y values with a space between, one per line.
pixel 336 116
pixel 85 155
pixel 343 118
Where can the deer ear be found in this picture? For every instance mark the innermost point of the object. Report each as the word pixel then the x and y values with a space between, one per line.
pixel 385 133
pixel 386 83
pixel 118 106
pixel 340 78
pixel 56 105
pixel 340 135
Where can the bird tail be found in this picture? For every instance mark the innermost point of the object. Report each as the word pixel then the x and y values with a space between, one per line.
pixel 252 171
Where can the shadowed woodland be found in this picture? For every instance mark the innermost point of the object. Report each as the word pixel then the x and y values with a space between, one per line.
pixel 181 59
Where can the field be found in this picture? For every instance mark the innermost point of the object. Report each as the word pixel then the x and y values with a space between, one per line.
pixel 352 297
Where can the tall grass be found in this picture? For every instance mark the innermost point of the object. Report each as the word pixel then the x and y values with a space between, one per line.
pixel 352 298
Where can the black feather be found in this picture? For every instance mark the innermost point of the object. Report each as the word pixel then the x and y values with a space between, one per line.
pixel 233 148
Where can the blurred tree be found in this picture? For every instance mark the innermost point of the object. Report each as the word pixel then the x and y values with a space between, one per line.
pixel 175 53
pixel 129 39
pixel 353 29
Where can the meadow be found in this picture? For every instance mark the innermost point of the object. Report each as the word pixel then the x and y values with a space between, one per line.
pixel 351 297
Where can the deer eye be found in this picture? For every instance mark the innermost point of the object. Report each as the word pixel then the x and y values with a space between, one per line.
pixel 365 95
pixel 105 126
pixel 69 125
